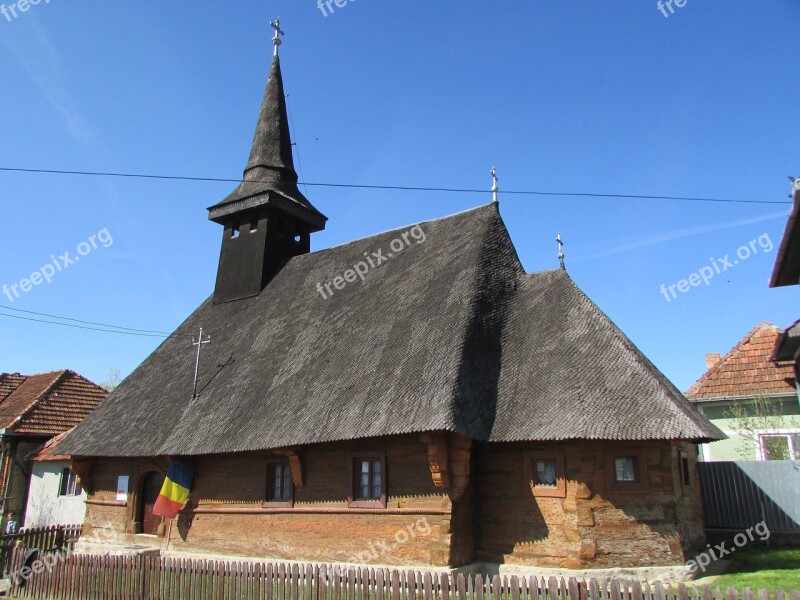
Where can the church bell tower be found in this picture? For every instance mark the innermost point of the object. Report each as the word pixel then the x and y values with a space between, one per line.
pixel 266 219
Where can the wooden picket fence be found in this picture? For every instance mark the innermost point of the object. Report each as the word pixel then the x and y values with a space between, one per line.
pixel 84 577
pixel 56 537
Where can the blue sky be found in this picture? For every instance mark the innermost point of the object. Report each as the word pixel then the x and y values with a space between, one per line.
pixel 590 96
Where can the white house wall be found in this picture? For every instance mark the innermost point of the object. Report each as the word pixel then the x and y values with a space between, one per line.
pixel 45 506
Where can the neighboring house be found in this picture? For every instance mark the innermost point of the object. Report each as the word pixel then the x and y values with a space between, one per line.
pixel 752 399
pixel 415 389
pixel 33 410
pixel 55 496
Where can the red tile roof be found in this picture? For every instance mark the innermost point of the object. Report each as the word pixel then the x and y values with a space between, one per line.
pixel 46 451
pixel 46 403
pixel 747 369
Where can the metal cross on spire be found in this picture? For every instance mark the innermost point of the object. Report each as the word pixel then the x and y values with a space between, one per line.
pixel 560 250
pixel 495 188
pixel 199 343
pixel 276 40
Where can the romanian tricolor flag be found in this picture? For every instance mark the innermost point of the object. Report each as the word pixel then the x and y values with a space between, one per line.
pixel 175 491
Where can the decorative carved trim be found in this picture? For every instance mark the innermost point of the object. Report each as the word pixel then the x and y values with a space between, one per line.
pixel 83 469
pixel 106 502
pixel 315 511
pixel 448 461
pixel 295 464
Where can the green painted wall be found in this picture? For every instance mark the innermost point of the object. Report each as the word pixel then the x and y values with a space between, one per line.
pixel 742 448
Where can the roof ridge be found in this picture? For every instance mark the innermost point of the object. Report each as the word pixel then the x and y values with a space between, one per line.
pixel 485 327
pixel 408 226
pixel 735 350
pixel 45 392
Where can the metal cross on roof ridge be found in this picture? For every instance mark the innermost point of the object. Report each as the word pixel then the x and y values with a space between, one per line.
pixel 276 40
pixel 199 343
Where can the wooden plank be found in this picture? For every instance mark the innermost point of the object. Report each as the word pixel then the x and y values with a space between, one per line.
pixel 614 591
pixel 572 588
pixel 395 585
pixel 747 594
pixel 461 587
pixel 636 590
pixel 731 593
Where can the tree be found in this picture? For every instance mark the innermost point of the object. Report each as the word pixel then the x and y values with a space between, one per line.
pixel 753 419
pixel 112 380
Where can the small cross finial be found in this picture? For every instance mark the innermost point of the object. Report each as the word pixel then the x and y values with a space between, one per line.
pixel 495 188
pixel 560 250
pixel 276 40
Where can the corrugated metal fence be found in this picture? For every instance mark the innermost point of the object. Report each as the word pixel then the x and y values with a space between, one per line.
pixel 737 495
pixel 145 578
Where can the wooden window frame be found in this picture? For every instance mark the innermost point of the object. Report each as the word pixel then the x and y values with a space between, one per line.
pixel 685 474
pixel 352 499
pixel 531 457
pixel 63 485
pixel 640 455
pixel 271 462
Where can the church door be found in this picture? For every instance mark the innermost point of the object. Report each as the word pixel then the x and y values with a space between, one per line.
pixel 151 486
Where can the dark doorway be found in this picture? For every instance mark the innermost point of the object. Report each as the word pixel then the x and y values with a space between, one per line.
pixel 151 486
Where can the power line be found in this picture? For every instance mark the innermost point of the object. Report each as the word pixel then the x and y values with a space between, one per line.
pixel 400 187
pixel 40 314
pixel 82 326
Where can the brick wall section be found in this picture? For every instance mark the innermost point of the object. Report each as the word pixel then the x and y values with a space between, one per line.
pixel 238 482
pixel 590 527
pixel 497 519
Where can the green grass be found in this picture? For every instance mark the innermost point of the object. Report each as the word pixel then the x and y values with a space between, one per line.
pixel 762 568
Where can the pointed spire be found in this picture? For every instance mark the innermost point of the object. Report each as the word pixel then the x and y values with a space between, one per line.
pixel 495 188
pixel 270 176
pixel 271 150
pixel 560 250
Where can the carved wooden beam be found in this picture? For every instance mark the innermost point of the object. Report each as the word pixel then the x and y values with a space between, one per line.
pixel 460 450
pixel 295 464
pixel 438 458
pixel 83 469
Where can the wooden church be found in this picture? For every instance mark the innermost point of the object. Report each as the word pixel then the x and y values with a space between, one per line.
pixel 441 407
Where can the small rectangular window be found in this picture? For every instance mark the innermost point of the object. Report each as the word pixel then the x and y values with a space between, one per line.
pixel 544 471
pixel 686 478
pixel 775 447
pixel 280 488
pixel 626 470
pixel 254 225
pixel 69 484
pixel 368 481
pixel 235 231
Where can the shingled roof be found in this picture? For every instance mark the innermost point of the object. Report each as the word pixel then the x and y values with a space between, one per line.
pixel 747 370
pixel 46 403
pixel 787 261
pixel 449 334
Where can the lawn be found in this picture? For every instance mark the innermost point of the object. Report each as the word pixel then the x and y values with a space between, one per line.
pixel 762 568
